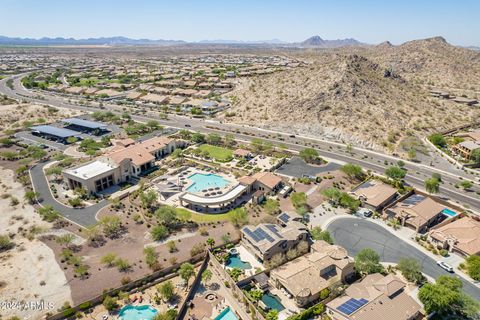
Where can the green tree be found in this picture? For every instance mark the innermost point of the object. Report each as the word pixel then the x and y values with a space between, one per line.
pixel 169 315
pixel 166 215
pixel 353 171
pixel 332 194
pixel 395 173
pixel 367 261
pixel 110 303
pixel 272 315
pixel 238 216
pixel 159 232
pixel 298 199
pixel 256 294
pixel 272 206
pixel 5 243
pixel 214 139
pixel 475 155
pixel 466 184
pixel 148 198
pixel 206 276
pixel 171 246
pixel 122 265
pixel 48 213
pixel 309 155
pixel 432 185
pixel 151 257
pixel 411 270
pixel 445 298
pixel 111 226
pixel 198 137
pixel 153 125
pixel 473 267
pixel 166 290
pixel 210 242
pixel 109 259
pixel 438 140
pixel 317 234
pixel 31 196
pixel 186 272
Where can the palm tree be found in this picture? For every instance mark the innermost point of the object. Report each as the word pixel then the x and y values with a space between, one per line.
pixel 210 242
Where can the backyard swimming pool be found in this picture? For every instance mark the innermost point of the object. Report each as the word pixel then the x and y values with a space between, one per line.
pixel 234 261
pixel 226 314
pixel 144 312
pixel 449 212
pixel 202 181
pixel 272 301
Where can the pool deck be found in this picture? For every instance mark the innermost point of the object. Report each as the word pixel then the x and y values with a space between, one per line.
pixel 289 304
pixel 246 256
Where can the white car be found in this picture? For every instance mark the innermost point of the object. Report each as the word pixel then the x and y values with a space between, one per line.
pixel 445 266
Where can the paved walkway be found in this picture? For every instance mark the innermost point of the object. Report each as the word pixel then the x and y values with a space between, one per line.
pixel 84 217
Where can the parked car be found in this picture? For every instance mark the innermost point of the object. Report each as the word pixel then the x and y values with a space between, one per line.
pixel 445 266
pixel 187 125
pixel 292 136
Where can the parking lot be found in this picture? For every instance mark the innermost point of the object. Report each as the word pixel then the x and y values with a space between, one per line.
pixel 296 167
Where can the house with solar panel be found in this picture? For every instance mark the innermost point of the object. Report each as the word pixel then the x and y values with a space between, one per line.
pixel 419 211
pixel 267 240
pixel 376 297
pixel 305 277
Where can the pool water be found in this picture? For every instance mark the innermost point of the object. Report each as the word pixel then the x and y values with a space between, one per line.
pixel 272 302
pixel 234 261
pixel 449 212
pixel 144 312
pixel 203 181
pixel 226 314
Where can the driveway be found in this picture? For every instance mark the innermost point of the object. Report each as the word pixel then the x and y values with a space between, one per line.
pixel 355 234
pixel 82 216
pixel 296 167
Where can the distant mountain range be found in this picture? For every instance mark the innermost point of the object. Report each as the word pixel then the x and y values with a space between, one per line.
pixel 315 41
pixel 90 41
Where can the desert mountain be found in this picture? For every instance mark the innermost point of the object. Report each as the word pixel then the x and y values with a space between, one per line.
pixel 375 96
pixel 317 41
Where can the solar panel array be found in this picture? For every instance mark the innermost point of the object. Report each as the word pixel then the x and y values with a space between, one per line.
pixel 284 217
pixel 351 305
pixel 258 234
pixel 412 200
pixel 274 230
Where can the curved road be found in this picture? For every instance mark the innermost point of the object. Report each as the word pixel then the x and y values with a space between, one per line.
pixel 368 159
pixel 355 234
pixel 83 216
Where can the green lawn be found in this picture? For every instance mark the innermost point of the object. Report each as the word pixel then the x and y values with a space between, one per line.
pixel 217 153
pixel 184 214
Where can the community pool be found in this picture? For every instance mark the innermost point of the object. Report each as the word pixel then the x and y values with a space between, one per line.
pixel 272 301
pixel 144 312
pixel 449 212
pixel 234 261
pixel 226 314
pixel 202 181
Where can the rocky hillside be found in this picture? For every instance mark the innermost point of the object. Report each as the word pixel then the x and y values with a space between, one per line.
pixel 375 97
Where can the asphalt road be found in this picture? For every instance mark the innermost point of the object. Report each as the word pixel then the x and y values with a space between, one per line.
pixel 368 159
pixel 355 234
pixel 82 216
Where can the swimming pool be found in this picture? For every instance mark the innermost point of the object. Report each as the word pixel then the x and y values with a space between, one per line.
pixel 234 261
pixel 144 312
pixel 226 314
pixel 272 301
pixel 202 181
pixel 449 212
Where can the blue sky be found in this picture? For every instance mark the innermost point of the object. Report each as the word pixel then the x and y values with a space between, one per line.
pixel 368 20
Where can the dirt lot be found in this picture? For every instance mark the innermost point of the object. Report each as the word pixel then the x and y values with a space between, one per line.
pixel 130 246
pixel 28 271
